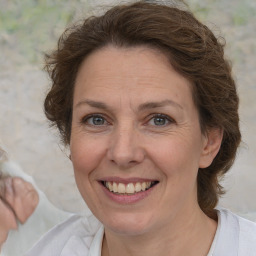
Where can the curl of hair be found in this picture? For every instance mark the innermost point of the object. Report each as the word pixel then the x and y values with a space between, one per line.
pixel 192 50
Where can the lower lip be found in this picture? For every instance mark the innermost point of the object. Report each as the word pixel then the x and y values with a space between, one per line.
pixel 128 199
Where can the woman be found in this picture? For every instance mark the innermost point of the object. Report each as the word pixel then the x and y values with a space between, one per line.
pixel 146 102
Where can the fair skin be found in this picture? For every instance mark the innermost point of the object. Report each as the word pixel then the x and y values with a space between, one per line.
pixel 135 124
pixel 18 200
pixel 7 221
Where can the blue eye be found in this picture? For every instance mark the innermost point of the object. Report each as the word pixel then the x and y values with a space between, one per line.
pixel 160 120
pixel 95 120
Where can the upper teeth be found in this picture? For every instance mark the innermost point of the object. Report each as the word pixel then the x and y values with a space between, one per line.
pixel 129 188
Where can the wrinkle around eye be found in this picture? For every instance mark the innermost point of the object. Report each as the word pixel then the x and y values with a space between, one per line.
pixel 86 123
pixel 96 121
pixel 161 117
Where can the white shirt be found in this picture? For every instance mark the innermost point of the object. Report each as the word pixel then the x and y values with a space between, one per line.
pixel 82 236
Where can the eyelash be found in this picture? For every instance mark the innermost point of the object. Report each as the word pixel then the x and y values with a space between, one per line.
pixel 166 118
pixel 87 118
pixel 161 116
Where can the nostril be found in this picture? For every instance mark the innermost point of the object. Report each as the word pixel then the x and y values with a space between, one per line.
pixel 126 157
pixel 125 148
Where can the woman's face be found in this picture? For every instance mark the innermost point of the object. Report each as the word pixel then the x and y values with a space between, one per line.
pixel 136 143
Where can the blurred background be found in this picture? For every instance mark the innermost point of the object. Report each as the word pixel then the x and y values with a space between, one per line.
pixel 30 28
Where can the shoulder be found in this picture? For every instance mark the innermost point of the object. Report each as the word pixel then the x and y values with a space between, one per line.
pixel 238 232
pixel 71 237
pixel 247 241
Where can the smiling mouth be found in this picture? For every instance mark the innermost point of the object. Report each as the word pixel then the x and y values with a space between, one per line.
pixel 128 189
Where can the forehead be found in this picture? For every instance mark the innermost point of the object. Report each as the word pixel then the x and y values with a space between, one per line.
pixel 134 72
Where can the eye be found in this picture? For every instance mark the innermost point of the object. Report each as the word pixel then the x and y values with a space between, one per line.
pixel 95 120
pixel 160 120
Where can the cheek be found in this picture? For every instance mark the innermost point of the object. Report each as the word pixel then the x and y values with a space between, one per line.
pixel 176 158
pixel 84 159
pixel 86 154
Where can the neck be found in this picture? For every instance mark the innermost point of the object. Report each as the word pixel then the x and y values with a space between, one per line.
pixel 192 237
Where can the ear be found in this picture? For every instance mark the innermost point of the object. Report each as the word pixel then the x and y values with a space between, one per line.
pixel 211 146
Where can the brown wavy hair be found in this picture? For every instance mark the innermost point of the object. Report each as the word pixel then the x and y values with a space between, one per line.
pixel 192 50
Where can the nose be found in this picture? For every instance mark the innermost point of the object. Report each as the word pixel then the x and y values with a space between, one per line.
pixel 125 149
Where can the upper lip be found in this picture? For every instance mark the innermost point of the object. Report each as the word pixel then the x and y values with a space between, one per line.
pixel 127 180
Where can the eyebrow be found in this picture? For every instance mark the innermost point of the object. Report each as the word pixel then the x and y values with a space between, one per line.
pixel 144 106
pixel 152 105
pixel 92 103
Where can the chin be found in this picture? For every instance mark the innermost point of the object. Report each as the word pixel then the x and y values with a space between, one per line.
pixel 128 224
